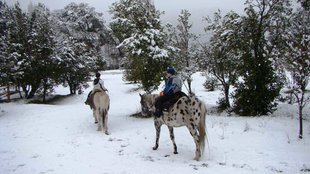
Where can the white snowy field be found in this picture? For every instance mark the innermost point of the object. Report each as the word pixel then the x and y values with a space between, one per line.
pixel 62 138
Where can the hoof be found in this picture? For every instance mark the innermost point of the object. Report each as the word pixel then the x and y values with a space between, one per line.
pixel 197 158
pixel 175 152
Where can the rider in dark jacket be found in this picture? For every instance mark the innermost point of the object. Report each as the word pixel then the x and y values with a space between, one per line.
pixel 173 85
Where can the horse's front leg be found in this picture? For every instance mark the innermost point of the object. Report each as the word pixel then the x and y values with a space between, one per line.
pixel 175 149
pixel 157 125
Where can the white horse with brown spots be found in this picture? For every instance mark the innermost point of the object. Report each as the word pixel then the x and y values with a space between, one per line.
pixel 187 111
pixel 101 105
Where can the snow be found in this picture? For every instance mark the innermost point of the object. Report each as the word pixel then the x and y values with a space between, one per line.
pixel 62 138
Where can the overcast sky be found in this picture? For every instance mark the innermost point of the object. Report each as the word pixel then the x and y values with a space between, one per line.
pixel 172 8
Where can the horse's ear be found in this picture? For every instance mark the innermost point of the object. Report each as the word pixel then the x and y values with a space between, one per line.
pixel 140 95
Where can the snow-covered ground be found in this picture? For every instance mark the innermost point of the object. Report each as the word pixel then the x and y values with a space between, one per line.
pixel 62 138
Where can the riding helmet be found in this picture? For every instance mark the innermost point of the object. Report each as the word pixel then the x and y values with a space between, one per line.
pixel 171 70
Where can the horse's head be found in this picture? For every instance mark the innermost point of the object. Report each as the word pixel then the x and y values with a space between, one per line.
pixel 147 102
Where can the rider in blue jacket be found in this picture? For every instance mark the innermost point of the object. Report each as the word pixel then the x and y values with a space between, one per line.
pixel 173 85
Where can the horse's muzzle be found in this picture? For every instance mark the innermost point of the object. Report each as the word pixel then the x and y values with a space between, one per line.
pixel 146 111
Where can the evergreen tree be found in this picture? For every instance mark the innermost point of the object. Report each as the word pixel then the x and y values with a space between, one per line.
pixel 137 25
pixel 5 68
pixel 80 33
pixel 40 64
pixel 305 4
pixel 256 94
pixel 17 43
pixel 297 59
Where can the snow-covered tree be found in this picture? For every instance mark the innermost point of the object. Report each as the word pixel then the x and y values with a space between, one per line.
pixel 5 69
pixel 7 63
pixel 305 4
pixel 137 25
pixel 80 33
pixel 17 45
pixel 182 39
pixel 222 55
pixel 256 94
pixel 298 59
pixel 40 65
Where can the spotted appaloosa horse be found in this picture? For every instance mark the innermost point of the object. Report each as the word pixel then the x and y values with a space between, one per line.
pixel 187 111
pixel 100 109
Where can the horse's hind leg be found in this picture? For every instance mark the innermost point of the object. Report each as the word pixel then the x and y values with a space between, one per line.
pixel 99 119
pixel 94 115
pixel 105 122
pixel 157 125
pixel 175 149
pixel 194 133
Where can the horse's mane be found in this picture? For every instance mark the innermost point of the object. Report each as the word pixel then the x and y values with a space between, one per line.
pixel 97 90
pixel 150 98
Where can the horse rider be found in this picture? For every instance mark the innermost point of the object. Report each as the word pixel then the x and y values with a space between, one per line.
pixel 98 82
pixel 173 85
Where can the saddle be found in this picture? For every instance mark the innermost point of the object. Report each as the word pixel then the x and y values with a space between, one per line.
pixel 173 100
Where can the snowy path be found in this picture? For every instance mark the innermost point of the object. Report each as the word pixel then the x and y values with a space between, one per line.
pixel 62 139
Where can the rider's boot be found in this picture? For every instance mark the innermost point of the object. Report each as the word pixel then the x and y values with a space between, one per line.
pixel 158 113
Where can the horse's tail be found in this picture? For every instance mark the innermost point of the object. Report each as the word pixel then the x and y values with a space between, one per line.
pixel 104 112
pixel 202 127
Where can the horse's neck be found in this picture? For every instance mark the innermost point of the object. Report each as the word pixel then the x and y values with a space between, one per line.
pixel 153 99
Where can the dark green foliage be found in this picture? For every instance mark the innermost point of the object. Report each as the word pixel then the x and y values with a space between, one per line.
pixel 39 51
pixel 42 45
pixel 17 51
pixel 305 4
pixel 79 47
pixel 152 74
pixel 137 26
pixel 256 94
pixel 260 85
pixel 4 61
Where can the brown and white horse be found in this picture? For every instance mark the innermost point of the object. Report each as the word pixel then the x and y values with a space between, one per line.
pixel 101 105
pixel 187 111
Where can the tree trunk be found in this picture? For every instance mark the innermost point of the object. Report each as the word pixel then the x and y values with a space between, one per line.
pixel 189 86
pixel 72 88
pixel 300 123
pixel 19 92
pixel 226 92
pixel 44 90
pixel 8 92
